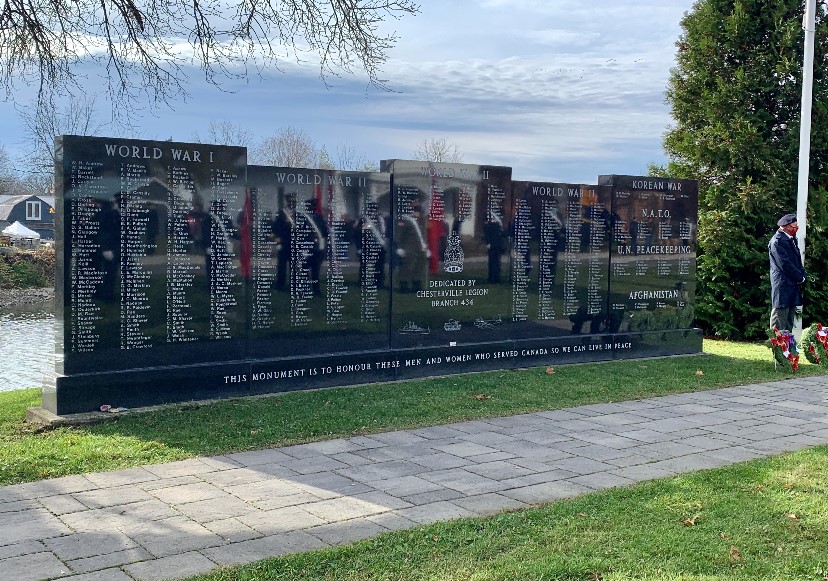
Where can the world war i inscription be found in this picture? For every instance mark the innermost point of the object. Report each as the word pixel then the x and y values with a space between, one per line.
pixel 184 273
pixel 150 265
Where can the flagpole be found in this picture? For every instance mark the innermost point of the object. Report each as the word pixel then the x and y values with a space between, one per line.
pixel 809 26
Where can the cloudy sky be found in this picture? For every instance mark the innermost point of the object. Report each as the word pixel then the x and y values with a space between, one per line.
pixel 560 90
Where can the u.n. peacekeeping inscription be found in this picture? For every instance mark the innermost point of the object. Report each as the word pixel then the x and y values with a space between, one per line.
pixel 184 273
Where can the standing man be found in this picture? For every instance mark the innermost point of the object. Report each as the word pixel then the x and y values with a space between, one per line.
pixel 786 272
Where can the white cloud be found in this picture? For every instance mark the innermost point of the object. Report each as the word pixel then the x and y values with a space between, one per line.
pixel 559 89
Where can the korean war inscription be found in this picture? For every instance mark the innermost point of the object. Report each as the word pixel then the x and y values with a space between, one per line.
pixel 184 273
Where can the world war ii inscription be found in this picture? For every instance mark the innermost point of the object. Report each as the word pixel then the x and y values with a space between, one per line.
pixel 320 270
pixel 561 249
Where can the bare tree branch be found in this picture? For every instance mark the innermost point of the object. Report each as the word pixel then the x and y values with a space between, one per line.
pixel 225 133
pixel 290 147
pixel 348 158
pixel 143 45
pixel 438 150
pixel 44 121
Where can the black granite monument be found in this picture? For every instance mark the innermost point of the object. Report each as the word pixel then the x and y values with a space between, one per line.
pixel 184 273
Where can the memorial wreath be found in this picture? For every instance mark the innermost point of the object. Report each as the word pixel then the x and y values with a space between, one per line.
pixel 783 347
pixel 814 342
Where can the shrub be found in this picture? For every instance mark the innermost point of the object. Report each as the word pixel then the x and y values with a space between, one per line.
pixel 27 268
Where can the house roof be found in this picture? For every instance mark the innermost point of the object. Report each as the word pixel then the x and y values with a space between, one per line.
pixel 8 203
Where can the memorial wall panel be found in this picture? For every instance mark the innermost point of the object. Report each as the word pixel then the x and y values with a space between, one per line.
pixel 320 281
pixel 183 273
pixel 152 267
pixel 450 269
pixel 560 237
pixel 653 261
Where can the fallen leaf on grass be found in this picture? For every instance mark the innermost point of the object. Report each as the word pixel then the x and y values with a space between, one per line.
pixel 792 516
pixel 689 522
pixel 482 396
pixel 596 576
pixel 699 372
pixel 724 535
pixel 550 370
pixel 735 555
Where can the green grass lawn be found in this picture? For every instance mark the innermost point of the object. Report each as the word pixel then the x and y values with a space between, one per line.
pixel 763 520
pixel 28 453
pixel 760 520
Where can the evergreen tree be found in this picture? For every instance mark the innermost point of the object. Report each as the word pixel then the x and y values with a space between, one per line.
pixel 735 96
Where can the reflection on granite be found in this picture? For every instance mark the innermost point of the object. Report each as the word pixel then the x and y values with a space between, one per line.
pixel 184 273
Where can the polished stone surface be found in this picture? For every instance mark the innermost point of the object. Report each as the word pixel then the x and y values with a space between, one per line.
pixel 320 280
pixel 450 253
pixel 185 274
pixel 150 266
pixel 561 240
pixel 653 261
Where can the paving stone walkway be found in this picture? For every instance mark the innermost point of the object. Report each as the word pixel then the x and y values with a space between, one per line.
pixel 179 519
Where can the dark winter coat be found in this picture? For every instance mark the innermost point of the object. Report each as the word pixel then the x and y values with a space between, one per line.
pixel 786 271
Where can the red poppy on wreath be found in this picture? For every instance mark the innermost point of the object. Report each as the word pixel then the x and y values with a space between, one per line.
pixel 815 342
pixel 783 347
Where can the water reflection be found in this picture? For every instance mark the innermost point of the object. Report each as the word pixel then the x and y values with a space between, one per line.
pixel 27 345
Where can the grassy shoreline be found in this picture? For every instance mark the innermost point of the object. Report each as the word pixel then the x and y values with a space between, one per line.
pixel 28 453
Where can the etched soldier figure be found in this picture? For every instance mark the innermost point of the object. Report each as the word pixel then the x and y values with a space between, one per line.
pixel 282 229
pixel 495 240
pixel 108 254
pixel 371 241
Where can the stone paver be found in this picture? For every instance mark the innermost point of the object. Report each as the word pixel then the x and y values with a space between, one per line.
pixel 109 560
pixel 104 575
pixel 271 546
pixel 30 524
pixel 183 565
pixel 33 567
pixel 83 545
pixel 192 516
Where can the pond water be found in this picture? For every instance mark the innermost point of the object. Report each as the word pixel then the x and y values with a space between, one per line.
pixel 27 345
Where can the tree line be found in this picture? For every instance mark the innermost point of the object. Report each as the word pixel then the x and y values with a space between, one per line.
pixel 735 97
